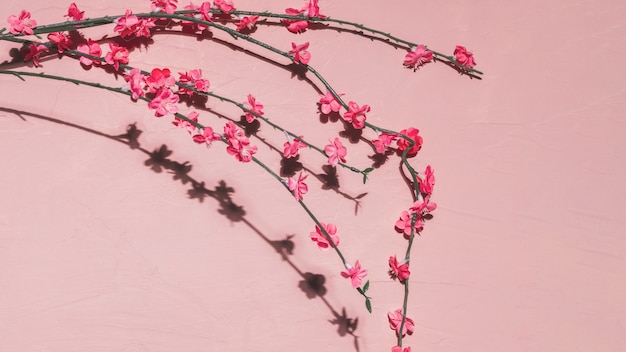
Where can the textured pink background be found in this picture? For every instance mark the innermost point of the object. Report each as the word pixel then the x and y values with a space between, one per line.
pixel 526 251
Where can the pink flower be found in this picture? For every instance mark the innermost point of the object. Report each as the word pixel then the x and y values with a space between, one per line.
pixel 34 51
pixel 193 78
pixel 164 102
pixel 321 240
pixel 247 23
pixel 291 147
pixel 21 24
pixel 206 136
pixel 428 182
pixel 204 13
pixel 356 274
pixel 159 79
pixel 312 9
pixel 74 13
pixel 301 55
pixel 403 225
pixel 167 6
pixel 231 131
pixel 328 103
pixel 62 41
pixel 253 107
pixel 126 24
pixel 188 125
pixel 395 320
pixel 422 207
pixel 412 133
pixel 399 349
pixel 383 142
pixel 336 152
pixel 356 114
pixel 136 83
pixel 464 57
pixel 418 56
pixel 91 48
pixel 297 186
pixel 398 271
pixel 225 6
pixel 118 55
pixel 238 144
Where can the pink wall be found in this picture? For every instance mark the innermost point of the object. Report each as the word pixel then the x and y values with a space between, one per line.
pixel 526 252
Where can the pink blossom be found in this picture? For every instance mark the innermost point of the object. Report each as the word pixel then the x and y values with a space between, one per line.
pixel 356 274
pixel 418 56
pixel 383 142
pixel 296 26
pixel 464 57
pixel 194 79
pixel 118 55
pixel 311 9
pixel 247 23
pixel 403 225
pixel 136 83
pixel 395 320
pixel 291 148
pixel 61 40
pixel 356 114
pixel 336 152
pixel 399 349
pixel 167 6
pixel 188 125
pixel 399 271
pixel 412 133
pixel 164 102
pixel 423 206
pixel 34 51
pixel 225 6
pixel 74 14
pixel 238 144
pixel 253 107
pixel 321 240
pixel 297 186
pixel 21 24
pixel 231 131
pixel 204 13
pixel 301 55
pixel 91 48
pixel 126 24
pixel 159 79
pixel 427 183
pixel 207 136
pixel 328 103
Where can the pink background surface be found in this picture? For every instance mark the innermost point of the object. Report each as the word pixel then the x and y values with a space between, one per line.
pixel 98 252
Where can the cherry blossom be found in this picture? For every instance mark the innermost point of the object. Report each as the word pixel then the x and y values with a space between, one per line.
pixel 74 14
pixel 321 240
pixel 118 55
pixel 62 41
pixel 297 186
pixel 395 320
pixel 399 349
pixel 311 9
pixel 336 152
pixel 427 182
pixel 136 83
pixel 328 103
pixel 21 24
pixel 193 78
pixel 301 55
pixel 356 114
pixel 34 51
pixel 403 225
pixel 253 107
pixel 418 56
pixel 164 102
pixel 225 6
pixel 159 79
pixel 238 144
pixel 247 22
pixel 412 133
pixel 355 274
pixel 125 25
pixel 398 270
pixel 91 48
pixel 188 125
pixel 167 6
pixel 423 206
pixel 207 135
pixel 383 141
pixel 464 57
pixel 292 147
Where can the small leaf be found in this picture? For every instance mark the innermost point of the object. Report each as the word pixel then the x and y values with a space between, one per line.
pixel 368 170
pixel 366 286
pixel 368 305
pixel 364 178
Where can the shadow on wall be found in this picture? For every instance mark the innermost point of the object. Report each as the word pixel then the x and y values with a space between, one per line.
pixel 159 161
